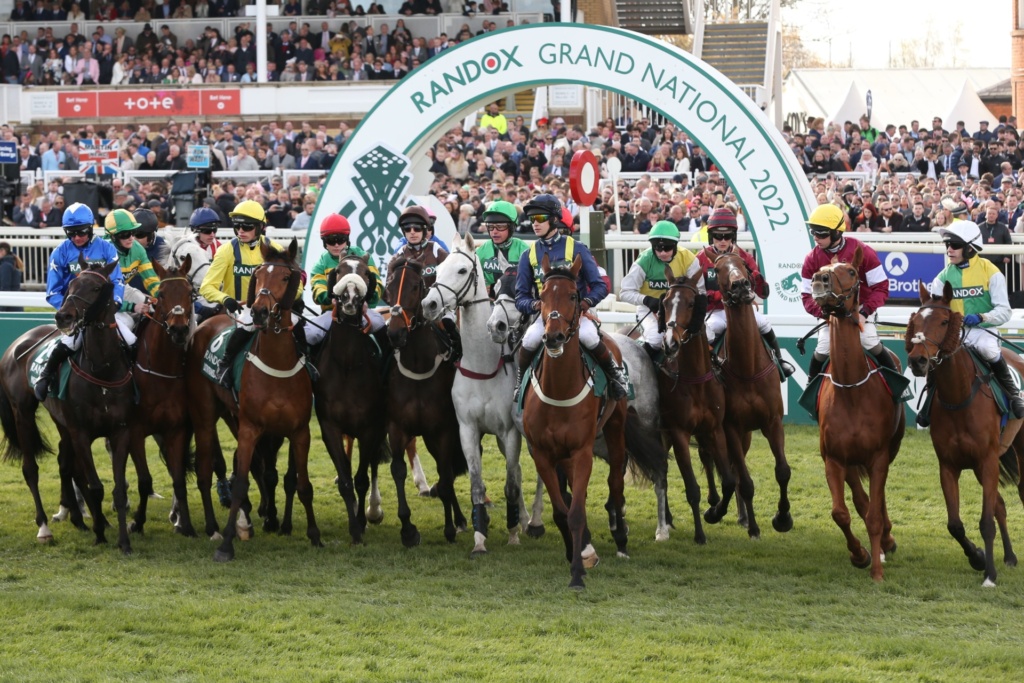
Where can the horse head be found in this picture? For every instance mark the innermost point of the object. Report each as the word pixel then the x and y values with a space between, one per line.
pixel 273 286
pixel 559 304
pixel 933 332
pixel 353 284
pixel 405 291
pixel 173 306
pixel 682 310
pixel 505 317
pixel 457 278
pixel 733 279
pixel 836 287
pixel 89 297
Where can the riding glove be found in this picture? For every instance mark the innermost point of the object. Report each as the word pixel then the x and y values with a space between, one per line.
pixel 972 320
pixel 231 306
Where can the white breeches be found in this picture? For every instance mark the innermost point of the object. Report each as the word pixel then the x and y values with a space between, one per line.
pixel 984 343
pixel 868 338
pixel 316 331
pixel 535 334
pixel 125 325
pixel 649 327
pixel 715 324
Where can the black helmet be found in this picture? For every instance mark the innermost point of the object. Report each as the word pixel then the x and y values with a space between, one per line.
pixel 544 204
pixel 146 219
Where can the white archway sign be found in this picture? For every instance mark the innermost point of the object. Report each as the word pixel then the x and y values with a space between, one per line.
pixel 384 163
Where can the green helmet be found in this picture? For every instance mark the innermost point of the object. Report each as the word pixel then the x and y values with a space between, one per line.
pixel 665 230
pixel 119 221
pixel 501 212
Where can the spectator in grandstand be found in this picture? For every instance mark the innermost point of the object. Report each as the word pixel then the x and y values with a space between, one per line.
pixel 917 221
pixel 12 272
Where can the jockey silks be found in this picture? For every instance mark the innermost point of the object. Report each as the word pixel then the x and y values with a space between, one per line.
pixel 495 259
pixel 976 290
pixel 326 264
pixel 64 266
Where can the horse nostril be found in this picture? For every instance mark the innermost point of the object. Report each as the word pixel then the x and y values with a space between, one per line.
pixel 501 327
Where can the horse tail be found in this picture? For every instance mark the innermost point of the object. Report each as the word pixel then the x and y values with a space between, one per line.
pixel 647 456
pixel 862 472
pixel 384 456
pixel 1009 472
pixel 459 464
pixel 22 437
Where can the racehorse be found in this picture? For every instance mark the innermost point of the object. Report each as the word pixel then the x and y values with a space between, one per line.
pixel 483 386
pixel 561 416
pixel 965 424
pixel 159 372
pixel 753 398
pixel 692 398
pixel 350 359
pixel 275 399
pixel 419 401
pixel 99 403
pixel 860 426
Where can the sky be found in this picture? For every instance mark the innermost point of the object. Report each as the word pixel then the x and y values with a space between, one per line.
pixel 863 31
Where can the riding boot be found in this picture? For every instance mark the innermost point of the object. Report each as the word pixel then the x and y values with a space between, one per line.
pixel 524 359
pixel 817 365
pixel 618 387
pixel 656 354
pixel 239 338
pixel 773 342
pixel 302 348
pixel 59 354
pixel 454 339
pixel 1002 374
pixel 884 360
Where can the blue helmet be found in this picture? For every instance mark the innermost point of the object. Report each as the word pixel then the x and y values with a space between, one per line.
pixel 76 217
pixel 202 217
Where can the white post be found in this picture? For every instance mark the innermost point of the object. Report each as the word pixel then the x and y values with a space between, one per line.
pixel 261 41
pixel 565 11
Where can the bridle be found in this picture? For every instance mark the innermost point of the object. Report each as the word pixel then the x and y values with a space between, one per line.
pixel 574 322
pixel 279 308
pixel 920 338
pixel 82 311
pixel 176 311
pixel 839 310
pixel 673 325
pixel 728 297
pixel 398 310
pixel 469 284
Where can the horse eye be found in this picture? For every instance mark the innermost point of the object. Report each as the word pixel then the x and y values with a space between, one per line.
pixel 463 271
pixel 945 322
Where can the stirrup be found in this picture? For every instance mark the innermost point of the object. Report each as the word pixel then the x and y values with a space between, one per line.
pixel 787 369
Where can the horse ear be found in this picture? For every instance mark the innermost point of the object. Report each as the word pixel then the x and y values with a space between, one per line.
pixel 834 260
pixel 159 270
pixel 250 297
pixel 106 269
pixel 925 294
pixel 332 279
pixel 545 264
pixel 186 264
pixel 293 249
pixel 858 258
pixel 947 292
pixel 669 276
pixel 82 263
pixel 266 250
pixel 470 244
pixel 577 264
pixel 695 279
pixel 365 258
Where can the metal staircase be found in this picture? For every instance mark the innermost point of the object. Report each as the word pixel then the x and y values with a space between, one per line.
pixel 655 17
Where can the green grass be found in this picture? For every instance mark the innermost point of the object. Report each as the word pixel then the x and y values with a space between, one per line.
pixel 787 607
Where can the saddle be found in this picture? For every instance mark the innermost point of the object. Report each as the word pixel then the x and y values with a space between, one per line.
pixel 58 388
pixel 215 352
pixel 897 385
pixel 598 380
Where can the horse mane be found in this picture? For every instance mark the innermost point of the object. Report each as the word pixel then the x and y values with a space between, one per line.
pixel 105 298
pixel 564 272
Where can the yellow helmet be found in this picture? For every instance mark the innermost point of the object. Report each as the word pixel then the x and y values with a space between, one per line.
pixel 828 216
pixel 248 211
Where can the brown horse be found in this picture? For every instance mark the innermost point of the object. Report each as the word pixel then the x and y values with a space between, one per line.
pixel 861 427
pixel 162 411
pixel 753 398
pixel 419 401
pixel 964 423
pixel 350 359
pixel 99 402
pixel 692 398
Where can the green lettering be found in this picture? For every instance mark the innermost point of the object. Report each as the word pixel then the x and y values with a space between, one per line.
pixel 420 101
pixel 605 59
pixel 649 71
pixel 435 90
pixel 449 79
pixel 584 56
pixel 547 54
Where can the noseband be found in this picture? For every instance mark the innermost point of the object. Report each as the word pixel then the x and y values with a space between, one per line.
pixel 178 310
pixel 574 322
pixel 471 283
pixel 673 325
pixel 398 309
pixel 728 297
pixel 841 297
pixel 279 308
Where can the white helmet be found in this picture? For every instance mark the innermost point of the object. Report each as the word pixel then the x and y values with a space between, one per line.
pixel 965 231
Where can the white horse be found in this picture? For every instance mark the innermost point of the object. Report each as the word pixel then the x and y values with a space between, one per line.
pixel 483 387
pixel 505 320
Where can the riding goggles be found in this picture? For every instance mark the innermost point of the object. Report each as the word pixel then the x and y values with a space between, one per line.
pixel 663 245
pixel 540 218
pixel 413 227
pixel 206 231
pixel 335 240
pixel 821 232
pixel 954 244
pixel 77 232
pixel 497 226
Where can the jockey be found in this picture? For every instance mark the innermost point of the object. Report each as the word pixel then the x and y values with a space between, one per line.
pixel 544 212
pixel 827 224
pixel 979 294
pixel 721 231
pixel 334 232
pixel 646 284
pixel 156 246
pixel 416 226
pixel 78 226
pixel 431 237
pixel 503 250
pixel 135 266
pixel 204 223
pixel 227 280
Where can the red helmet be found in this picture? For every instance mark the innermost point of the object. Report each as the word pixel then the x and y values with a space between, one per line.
pixel 335 224
pixel 567 217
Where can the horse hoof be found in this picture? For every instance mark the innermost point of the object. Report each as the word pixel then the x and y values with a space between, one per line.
pixel 535 531
pixel 100 540
pixel 244 533
pixel 131 527
pixel 577 585
pixel 1010 560
pixel 411 539
pixel 661 534
pixel 621 554
pixel 44 535
pixel 782 522
pixel 61 514
pixel 988 583
pixel 478 551
pixel 126 550
pixel 375 517
pixel 450 534
pixel 285 530
pixel 892 550
pixel 862 562
pixel 223 556
pixel 977 560
pixel 700 539
pixel 216 537
pixel 271 524
pixel 513 536
pixel 711 516
pixel 186 531
pixel 173 518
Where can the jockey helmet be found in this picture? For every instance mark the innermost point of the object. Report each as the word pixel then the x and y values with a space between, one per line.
pixel 722 223
pixel 146 220
pixel 415 215
pixel 77 217
pixel 544 204
pixel 335 224
pixel 828 217
pixel 248 215
pixel 965 233
pixel 202 217
pixel 501 212
pixel 120 223
pixel 665 230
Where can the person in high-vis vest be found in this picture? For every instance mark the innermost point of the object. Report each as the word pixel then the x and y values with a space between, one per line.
pixel 722 230
pixel 64 266
pixel 645 285
pixel 120 227
pixel 544 212
pixel 504 250
pixel 334 233
pixel 980 295
pixel 227 281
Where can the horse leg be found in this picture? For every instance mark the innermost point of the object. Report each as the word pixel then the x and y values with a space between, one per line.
pixel 714 454
pixel 578 474
pixel 615 438
pixel 30 471
pixel 93 490
pixel 266 476
pixel 950 479
pixel 782 521
pixel 137 451
pixel 681 449
pixel 334 441
pixel 469 437
pixel 988 475
pixel 741 507
pixel 1009 557
pixel 176 449
pixel 299 454
pixel 707 461
pixel 861 500
pixel 535 525
pixel 836 475
pixel 409 533
pixel 419 478
pixel 206 448
pixel 441 446
pixel 69 505
pixel 555 488
pixel 875 520
pixel 515 507
pixel 374 511
pixel 119 443
pixel 744 482
pixel 291 483
pixel 248 437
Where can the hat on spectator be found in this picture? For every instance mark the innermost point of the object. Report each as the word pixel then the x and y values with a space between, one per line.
pixel 147 27
pixel 559 121
pixel 542 121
